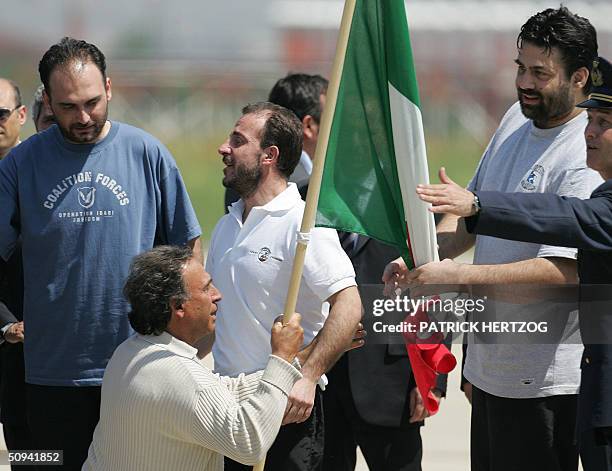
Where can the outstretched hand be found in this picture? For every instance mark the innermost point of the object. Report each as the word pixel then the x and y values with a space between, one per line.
pixel 447 197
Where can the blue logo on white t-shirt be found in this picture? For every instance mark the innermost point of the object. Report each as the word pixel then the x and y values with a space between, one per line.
pixel 531 181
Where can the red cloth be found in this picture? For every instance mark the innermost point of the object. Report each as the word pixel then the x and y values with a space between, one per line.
pixel 428 358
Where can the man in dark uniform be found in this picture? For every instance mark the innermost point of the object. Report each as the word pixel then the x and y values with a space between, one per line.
pixel 570 222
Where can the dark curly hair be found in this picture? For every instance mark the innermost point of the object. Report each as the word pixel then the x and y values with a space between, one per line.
pixel 283 129
pixel 154 282
pixel 301 94
pixel 573 35
pixel 66 51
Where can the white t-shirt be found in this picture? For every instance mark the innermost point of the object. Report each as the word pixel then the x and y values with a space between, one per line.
pixel 524 158
pixel 251 265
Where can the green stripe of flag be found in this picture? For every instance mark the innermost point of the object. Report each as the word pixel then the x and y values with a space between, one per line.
pixel 400 63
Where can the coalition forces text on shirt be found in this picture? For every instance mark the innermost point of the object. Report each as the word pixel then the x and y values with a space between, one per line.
pixel 86 187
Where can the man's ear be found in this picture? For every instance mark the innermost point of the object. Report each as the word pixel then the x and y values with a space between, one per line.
pixel 270 155
pixel 310 127
pixel 176 309
pixel 580 77
pixel 23 114
pixel 108 89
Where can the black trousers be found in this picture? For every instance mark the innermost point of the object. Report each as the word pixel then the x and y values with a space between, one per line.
pixel 596 449
pixel 18 437
pixel 63 418
pixel 298 447
pixel 384 448
pixel 523 434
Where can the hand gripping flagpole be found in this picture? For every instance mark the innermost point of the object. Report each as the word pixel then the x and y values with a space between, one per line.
pixel 314 186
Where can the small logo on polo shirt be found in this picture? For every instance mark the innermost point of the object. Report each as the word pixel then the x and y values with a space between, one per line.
pixel 530 182
pixel 263 254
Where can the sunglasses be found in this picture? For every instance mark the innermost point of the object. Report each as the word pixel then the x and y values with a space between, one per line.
pixel 6 112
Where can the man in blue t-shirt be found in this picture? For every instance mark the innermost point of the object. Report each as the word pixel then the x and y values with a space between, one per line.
pixel 85 196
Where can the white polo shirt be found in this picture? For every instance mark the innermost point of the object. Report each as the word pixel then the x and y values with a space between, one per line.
pixel 251 265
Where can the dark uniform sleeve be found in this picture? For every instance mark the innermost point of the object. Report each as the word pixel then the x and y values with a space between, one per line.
pixel 547 218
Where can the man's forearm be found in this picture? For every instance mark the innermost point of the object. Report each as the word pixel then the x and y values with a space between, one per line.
pixel 533 271
pixel 344 315
pixel 304 354
pixel 453 238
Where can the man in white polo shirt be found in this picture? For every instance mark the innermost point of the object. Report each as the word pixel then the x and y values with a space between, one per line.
pixel 251 257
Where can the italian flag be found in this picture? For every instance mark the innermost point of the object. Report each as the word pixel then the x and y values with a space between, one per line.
pixel 375 156
pixel 376 151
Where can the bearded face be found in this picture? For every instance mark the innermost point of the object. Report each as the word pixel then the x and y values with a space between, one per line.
pixel 544 90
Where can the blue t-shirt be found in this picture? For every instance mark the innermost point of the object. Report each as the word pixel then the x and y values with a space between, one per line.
pixel 83 212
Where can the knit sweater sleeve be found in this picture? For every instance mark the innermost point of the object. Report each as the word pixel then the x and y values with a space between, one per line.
pixel 242 386
pixel 240 417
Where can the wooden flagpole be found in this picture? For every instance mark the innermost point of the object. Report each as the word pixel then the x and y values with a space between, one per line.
pixel 314 186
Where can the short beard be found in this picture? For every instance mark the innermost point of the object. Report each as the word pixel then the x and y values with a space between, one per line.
pixel 245 181
pixel 550 107
pixel 69 135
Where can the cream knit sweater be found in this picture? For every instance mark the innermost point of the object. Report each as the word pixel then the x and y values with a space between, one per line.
pixel 163 410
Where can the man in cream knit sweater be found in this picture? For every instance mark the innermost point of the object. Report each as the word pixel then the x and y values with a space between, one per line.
pixel 161 408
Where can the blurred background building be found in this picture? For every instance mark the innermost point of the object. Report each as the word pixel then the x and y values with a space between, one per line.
pixel 182 70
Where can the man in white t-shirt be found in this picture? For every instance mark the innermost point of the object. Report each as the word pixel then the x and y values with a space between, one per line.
pixel 524 396
pixel 251 257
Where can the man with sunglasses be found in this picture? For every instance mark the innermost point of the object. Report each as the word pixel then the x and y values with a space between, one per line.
pixel 12 402
pixel 12 115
